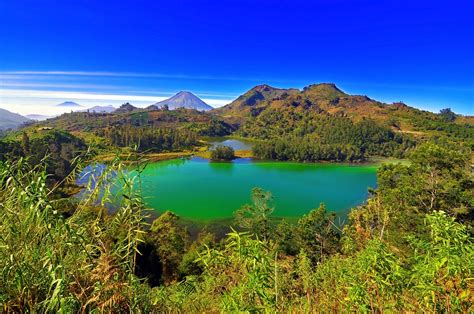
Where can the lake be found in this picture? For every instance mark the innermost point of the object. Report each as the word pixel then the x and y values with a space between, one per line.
pixel 236 144
pixel 197 189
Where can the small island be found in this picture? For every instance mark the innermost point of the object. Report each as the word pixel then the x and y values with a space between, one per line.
pixel 222 153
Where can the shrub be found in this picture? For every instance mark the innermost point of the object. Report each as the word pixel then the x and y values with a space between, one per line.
pixel 222 152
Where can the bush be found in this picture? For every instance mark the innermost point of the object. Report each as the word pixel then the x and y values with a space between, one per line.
pixel 222 152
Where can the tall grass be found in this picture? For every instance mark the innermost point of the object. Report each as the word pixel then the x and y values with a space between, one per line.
pixel 52 263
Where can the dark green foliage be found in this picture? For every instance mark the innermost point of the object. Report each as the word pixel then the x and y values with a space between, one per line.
pixel 57 148
pixel 441 126
pixel 286 238
pixel 25 143
pixel 60 147
pixel 170 241
pixel 303 149
pixel 151 139
pixel 306 137
pixel 447 114
pixel 214 127
pixel 437 178
pixel 255 217
pixel 189 264
pixel 318 234
pixel 222 152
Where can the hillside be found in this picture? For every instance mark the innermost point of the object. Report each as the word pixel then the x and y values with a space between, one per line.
pixel 322 98
pixel 10 120
pixel 253 108
pixel 127 115
pixel 252 101
pixel 184 100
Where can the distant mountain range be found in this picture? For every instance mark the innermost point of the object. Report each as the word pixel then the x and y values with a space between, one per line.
pixel 184 100
pixel 10 120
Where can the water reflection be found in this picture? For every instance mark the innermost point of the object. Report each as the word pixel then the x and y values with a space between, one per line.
pixel 236 144
pixel 222 166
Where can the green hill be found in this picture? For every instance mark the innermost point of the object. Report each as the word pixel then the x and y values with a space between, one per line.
pixel 193 120
pixel 251 111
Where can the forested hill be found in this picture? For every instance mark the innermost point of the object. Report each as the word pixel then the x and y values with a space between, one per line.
pixel 327 99
pixel 129 116
pixel 250 102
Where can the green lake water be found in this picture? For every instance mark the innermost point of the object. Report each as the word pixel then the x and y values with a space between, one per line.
pixel 197 189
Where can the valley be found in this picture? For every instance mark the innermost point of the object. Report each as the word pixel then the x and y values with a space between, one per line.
pixel 296 179
pixel 236 157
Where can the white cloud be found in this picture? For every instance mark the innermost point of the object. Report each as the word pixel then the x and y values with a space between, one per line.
pixel 43 101
pixel 132 74
pixel 57 85
pixel 25 93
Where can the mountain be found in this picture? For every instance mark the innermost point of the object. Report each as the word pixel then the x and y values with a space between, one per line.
pixel 253 100
pixel 265 111
pixel 125 108
pixel 324 98
pixel 68 104
pixel 184 100
pixel 200 122
pixel 101 109
pixel 10 120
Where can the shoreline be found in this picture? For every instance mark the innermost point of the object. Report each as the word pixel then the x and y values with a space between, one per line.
pixel 248 154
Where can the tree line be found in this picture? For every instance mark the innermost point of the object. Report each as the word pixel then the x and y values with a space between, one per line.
pixel 303 136
pixel 150 138
pixel 54 148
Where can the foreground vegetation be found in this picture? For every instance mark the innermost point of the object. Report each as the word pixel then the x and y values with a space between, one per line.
pixel 409 248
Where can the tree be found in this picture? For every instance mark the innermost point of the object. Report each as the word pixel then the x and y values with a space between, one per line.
pixel 447 114
pixel 255 217
pixel 222 152
pixel 438 178
pixel 25 143
pixel 170 241
pixel 318 234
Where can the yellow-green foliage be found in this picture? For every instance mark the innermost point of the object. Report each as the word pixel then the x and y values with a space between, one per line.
pixel 395 254
pixel 50 263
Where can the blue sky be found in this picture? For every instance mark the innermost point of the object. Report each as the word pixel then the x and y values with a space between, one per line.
pixel 109 52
